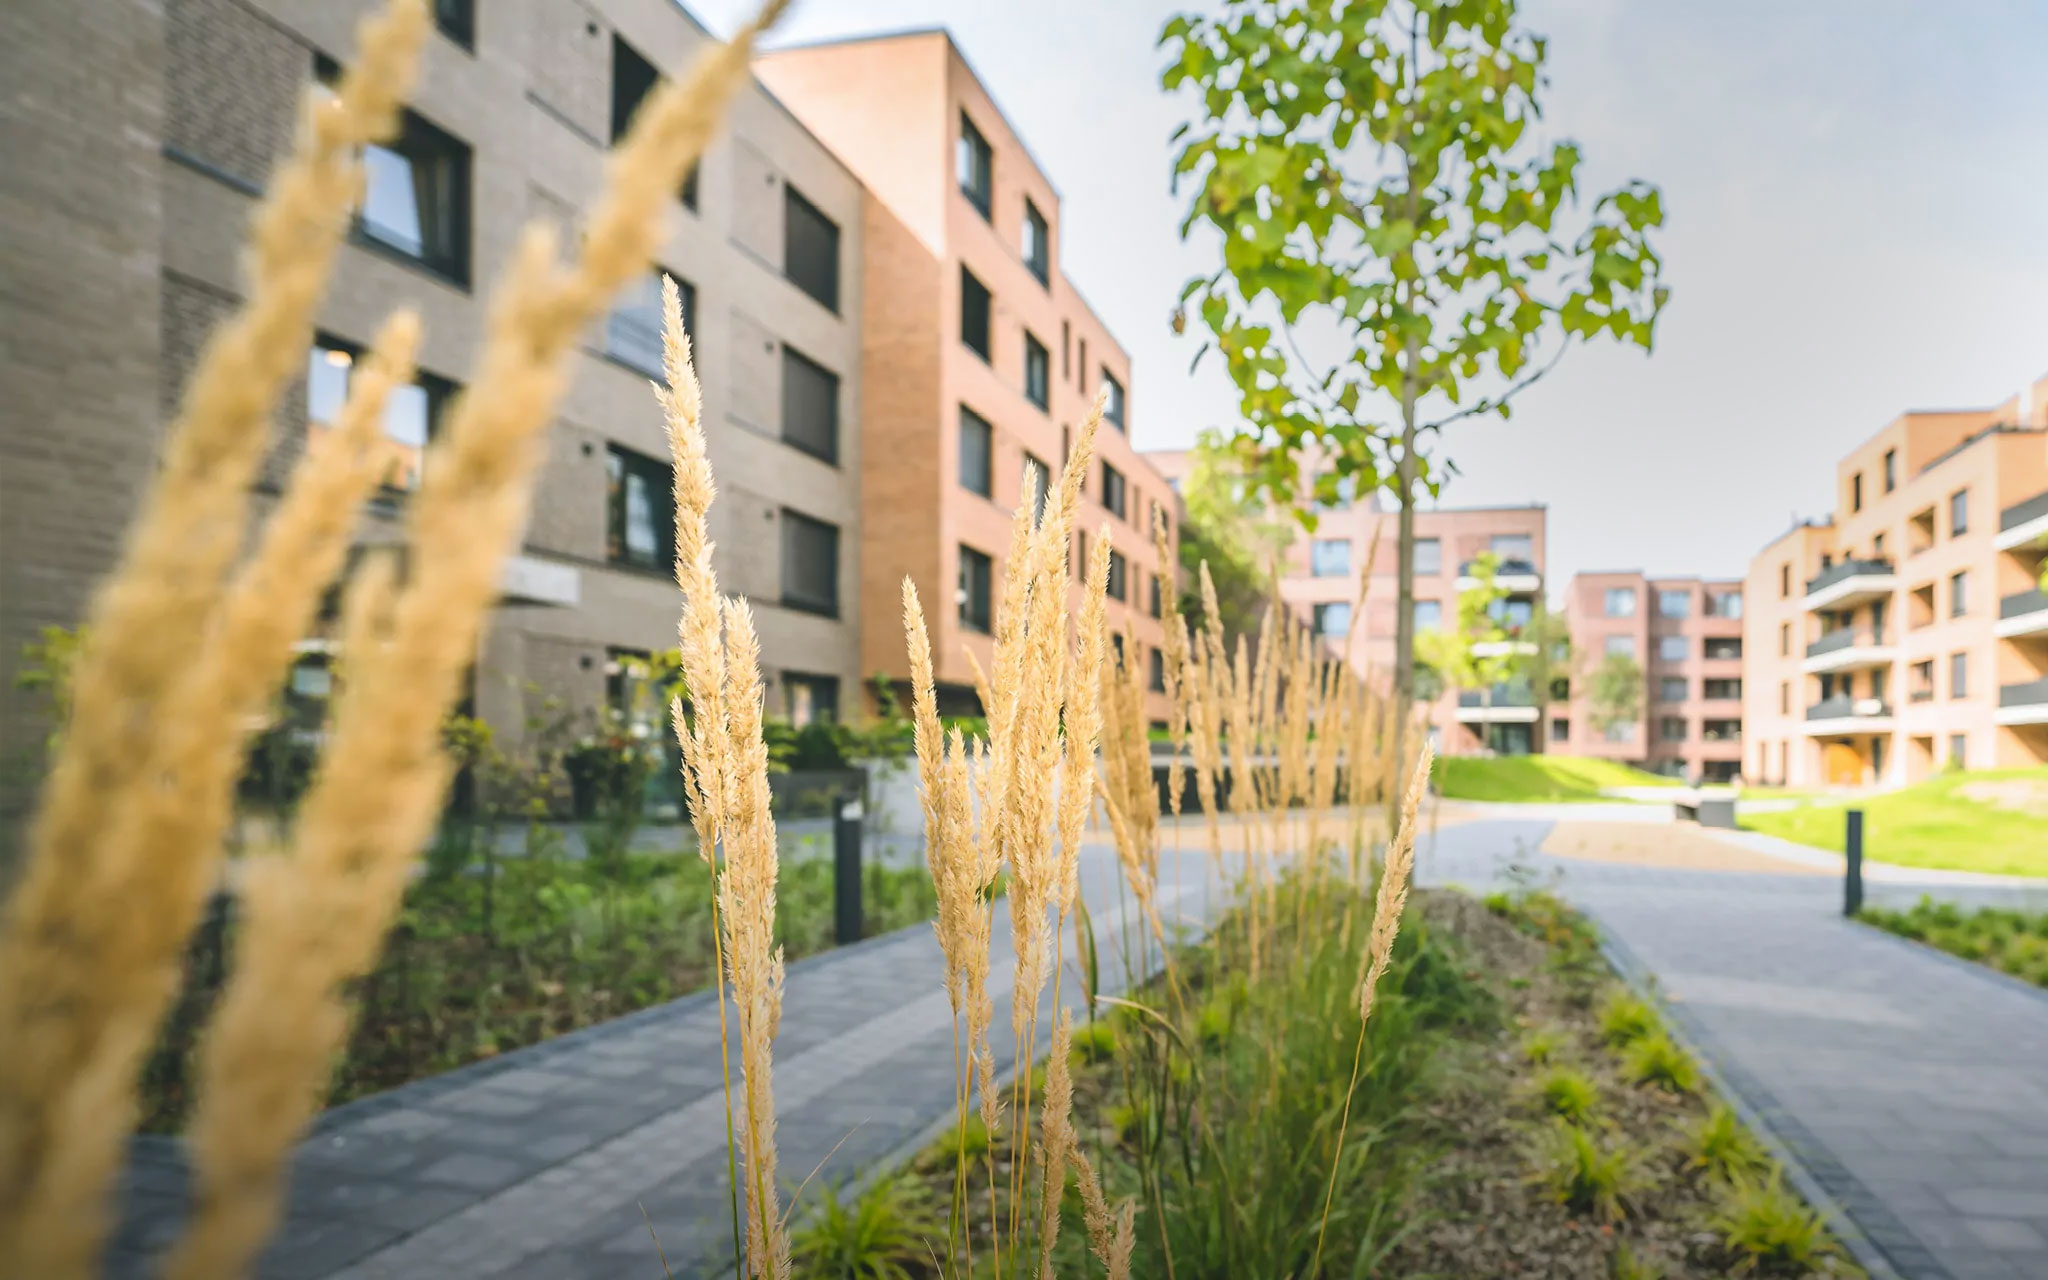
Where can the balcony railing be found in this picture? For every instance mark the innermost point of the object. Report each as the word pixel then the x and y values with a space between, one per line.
pixel 1844 571
pixel 2026 602
pixel 1844 707
pixel 1508 695
pixel 1845 638
pixel 2032 509
pixel 1501 569
pixel 2034 693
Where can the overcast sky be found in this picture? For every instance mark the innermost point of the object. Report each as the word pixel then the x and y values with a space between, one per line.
pixel 1857 195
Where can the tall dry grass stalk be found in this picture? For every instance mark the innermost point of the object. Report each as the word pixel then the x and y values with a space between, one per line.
pixel 80 952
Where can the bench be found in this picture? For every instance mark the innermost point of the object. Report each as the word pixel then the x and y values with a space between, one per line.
pixel 1708 811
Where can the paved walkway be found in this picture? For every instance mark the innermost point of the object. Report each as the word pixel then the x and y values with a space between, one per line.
pixel 1911 1089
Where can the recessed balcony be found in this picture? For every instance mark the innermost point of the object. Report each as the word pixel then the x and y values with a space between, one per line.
pixel 1851 582
pixel 1516 577
pixel 1849 649
pixel 1504 649
pixel 2025 614
pixel 1845 714
pixel 1507 704
pixel 2023 703
pixel 2024 524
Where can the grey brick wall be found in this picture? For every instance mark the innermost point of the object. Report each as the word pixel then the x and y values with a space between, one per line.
pixel 571 60
pixel 232 83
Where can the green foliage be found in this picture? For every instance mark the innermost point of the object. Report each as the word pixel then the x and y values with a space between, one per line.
pixel 1374 166
pixel 882 1235
pixel 1541 1047
pixel 1626 1265
pixel 1987 820
pixel 1094 1042
pixel 45 667
pixel 1721 1145
pixel 1768 1226
pixel 1657 1060
pixel 1567 1093
pixel 1614 693
pixel 1584 1177
pixel 1231 531
pixel 1545 779
pixel 1626 1018
pixel 2015 942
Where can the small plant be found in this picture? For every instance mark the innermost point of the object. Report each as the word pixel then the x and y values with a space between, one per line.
pixel 1625 1019
pixel 1094 1043
pixel 1721 1145
pixel 1657 1060
pixel 1567 1093
pixel 880 1236
pixel 1627 1264
pixel 1768 1226
pixel 1586 1179
pixel 1541 1047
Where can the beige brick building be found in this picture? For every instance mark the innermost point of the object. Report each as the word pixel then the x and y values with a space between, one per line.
pixel 138 139
pixel 980 355
pixel 1686 636
pixel 1907 631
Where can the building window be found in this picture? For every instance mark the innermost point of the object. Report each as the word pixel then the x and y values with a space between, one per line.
pixel 415 197
pixel 1671 728
pixel 1785 579
pixel 1429 557
pixel 1621 602
pixel 1958 594
pixel 1156 607
pixel 977 454
pixel 1113 407
pixel 1560 730
pixel 809 699
pixel 973 594
pixel 1785 698
pixel 1429 615
pixel 1721 730
pixel 1674 604
pixel 973 313
pixel 632 329
pixel 1723 690
pixel 810 249
pixel 810 406
pixel 1671 689
pixel 1724 604
pixel 1333 618
pixel 810 564
pixel 640 512
pixel 633 78
pixel 1958 513
pixel 1037 372
pixel 1039 477
pixel 412 414
pixel 1113 492
pixel 1784 639
pixel 1959 751
pixel 1891 470
pixel 1671 648
pixel 1621 646
pixel 1856 492
pixel 976 165
pixel 1157 682
pixel 1621 731
pixel 1959 674
pixel 1330 557
pixel 1037 245
pixel 1119 575
pixel 1722 648
pixel 457 20
pixel 1341 500
pixel 1512 546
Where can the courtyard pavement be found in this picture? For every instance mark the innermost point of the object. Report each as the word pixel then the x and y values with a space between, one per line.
pixel 1908 1088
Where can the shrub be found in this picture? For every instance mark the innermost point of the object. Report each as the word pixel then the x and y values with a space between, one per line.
pixel 880 1236
pixel 1627 1265
pixel 1657 1060
pixel 1094 1043
pixel 1767 1225
pixel 1539 1047
pixel 1567 1093
pixel 1721 1145
pixel 1626 1018
pixel 1585 1178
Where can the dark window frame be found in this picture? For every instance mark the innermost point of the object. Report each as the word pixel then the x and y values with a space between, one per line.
pixel 1037 247
pixel 1116 491
pixel 648 77
pixel 974 295
pixel 456 19
pixel 617 317
pixel 973 424
pixel 976 598
pixel 621 465
pixel 451 263
pixel 1113 410
pixel 795 361
pixel 798 211
pixel 1119 581
pixel 1959 506
pixel 976 162
pixel 1035 464
pixel 824 606
pixel 440 392
pixel 1037 372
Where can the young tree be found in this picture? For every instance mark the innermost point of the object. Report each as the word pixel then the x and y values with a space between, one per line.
pixel 1614 694
pixel 1372 174
pixel 1230 528
pixel 1478 651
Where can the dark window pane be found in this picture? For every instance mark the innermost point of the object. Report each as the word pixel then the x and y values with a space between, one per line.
pixel 974 590
pixel 416 197
pixel 1037 373
pixel 977 448
pixel 1119 573
pixel 412 414
pixel 976 165
pixel 810 405
pixel 1037 247
pixel 632 329
pixel 1429 556
pixel 810 248
pixel 633 78
pixel 457 20
pixel 1158 681
pixel 1113 495
pixel 640 515
pixel 973 313
pixel 1113 411
pixel 810 698
pixel 810 563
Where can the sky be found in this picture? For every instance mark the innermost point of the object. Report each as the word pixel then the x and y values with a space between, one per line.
pixel 1857 225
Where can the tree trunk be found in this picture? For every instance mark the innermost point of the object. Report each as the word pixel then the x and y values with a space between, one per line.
pixel 1404 590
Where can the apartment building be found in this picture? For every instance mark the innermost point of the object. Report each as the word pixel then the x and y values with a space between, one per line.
pixel 979 355
pixel 1907 632
pixel 516 107
pixel 1685 636
pixel 1319 583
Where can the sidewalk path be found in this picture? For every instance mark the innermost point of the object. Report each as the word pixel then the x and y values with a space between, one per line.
pixel 1911 1087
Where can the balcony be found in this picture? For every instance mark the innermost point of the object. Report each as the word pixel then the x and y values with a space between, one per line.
pixel 1504 648
pixel 2023 703
pixel 1516 577
pixel 2024 525
pixel 1510 704
pixel 1851 582
pixel 1849 649
pixel 2025 614
pixel 1844 714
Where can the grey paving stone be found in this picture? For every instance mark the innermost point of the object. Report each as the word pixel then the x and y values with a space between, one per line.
pixel 476 1172
pixel 2001 1202
pixel 2006 1235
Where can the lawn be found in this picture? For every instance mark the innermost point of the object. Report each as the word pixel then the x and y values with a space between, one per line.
pixel 1536 778
pixel 1993 821
pixel 2014 942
